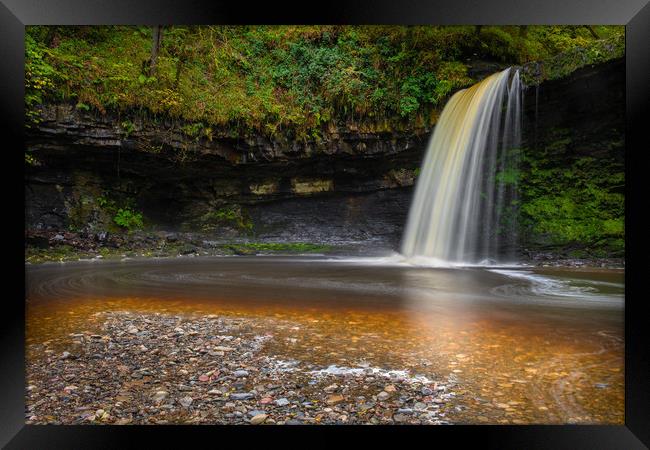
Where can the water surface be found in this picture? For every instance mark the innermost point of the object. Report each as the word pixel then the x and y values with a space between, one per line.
pixel 525 345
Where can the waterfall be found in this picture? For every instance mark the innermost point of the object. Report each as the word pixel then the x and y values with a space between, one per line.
pixel 464 206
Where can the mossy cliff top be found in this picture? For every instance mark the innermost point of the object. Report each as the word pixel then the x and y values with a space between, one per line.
pixel 294 81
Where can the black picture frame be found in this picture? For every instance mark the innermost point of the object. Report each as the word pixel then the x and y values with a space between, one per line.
pixel 635 14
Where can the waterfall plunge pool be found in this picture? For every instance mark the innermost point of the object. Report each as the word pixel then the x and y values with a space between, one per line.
pixel 506 344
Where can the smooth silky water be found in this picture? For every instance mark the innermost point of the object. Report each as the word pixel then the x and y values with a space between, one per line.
pixel 463 188
pixel 525 345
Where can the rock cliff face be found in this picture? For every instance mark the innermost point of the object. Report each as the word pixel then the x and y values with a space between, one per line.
pixel 176 179
pixel 589 104
pixel 354 184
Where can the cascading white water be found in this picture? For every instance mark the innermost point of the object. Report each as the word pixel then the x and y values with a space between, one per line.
pixel 468 176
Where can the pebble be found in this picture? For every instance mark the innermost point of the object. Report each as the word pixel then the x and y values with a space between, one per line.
pixel 241 396
pixel 334 399
pixel 383 396
pixel 240 373
pixel 258 419
pixel 160 396
pixel 186 401
pixel 282 402
pixel 223 349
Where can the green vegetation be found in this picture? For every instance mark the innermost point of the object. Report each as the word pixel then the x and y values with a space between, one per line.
pixel 299 82
pixel 64 252
pixel 30 160
pixel 282 247
pixel 570 200
pixel 229 216
pixel 129 219
pixel 572 58
pixel 124 215
pixel 290 80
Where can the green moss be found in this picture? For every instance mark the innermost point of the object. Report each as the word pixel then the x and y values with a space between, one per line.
pixel 53 253
pixel 576 201
pixel 230 216
pixel 272 247
pixel 293 81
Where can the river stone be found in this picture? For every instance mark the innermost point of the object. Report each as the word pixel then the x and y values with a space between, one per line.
pixel 186 401
pixel 334 399
pixel 223 349
pixel 240 373
pixel 383 396
pixel 241 396
pixel 160 396
pixel 258 419
pixel 282 402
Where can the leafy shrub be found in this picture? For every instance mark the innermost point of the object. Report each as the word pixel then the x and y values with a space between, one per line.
pixel 129 219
